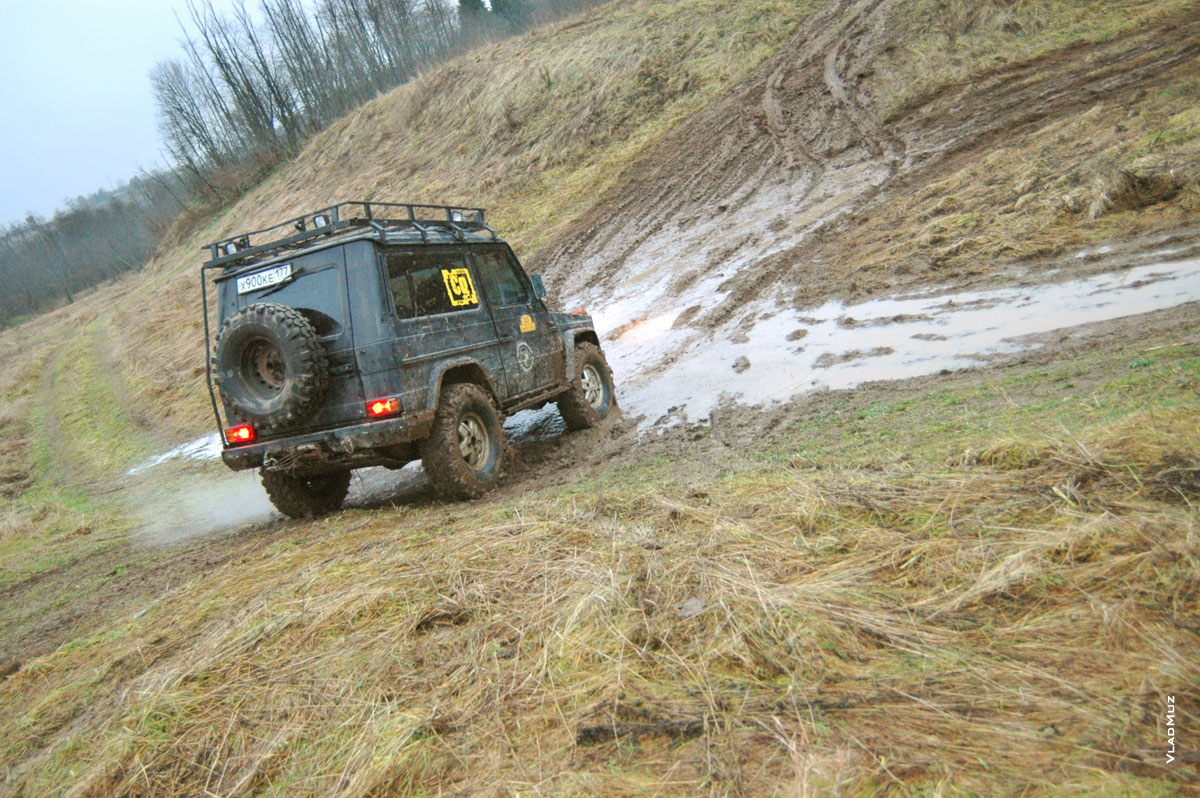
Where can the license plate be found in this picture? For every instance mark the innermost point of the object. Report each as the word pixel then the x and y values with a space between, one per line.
pixel 263 279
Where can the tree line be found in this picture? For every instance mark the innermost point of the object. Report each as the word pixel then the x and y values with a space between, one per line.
pixel 245 93
pixel 46 262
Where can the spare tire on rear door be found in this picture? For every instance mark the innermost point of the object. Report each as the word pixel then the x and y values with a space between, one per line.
pixel 269 365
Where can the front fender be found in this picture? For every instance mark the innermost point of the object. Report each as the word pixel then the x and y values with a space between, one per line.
pixel 573 328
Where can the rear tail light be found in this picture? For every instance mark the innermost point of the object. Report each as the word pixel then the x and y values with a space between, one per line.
pixel 377 408
pixel 243 433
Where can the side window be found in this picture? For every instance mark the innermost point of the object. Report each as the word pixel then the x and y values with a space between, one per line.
pixel 426 282
pixel 496 271
pixel 401 290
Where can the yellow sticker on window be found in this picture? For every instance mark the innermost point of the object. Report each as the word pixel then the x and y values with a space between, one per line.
pixel 459 287
pixel 527 324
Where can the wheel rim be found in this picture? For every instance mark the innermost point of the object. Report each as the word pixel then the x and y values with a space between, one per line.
pixel 263 367
pixel 593 387
pixel 473 441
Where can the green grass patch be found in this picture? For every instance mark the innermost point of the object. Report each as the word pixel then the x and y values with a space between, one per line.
pixel 927 426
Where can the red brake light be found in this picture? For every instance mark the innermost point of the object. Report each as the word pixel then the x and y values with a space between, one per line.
pixel 243 433
pixel 383 407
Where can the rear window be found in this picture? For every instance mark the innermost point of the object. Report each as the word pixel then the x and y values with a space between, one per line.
pixel 425 282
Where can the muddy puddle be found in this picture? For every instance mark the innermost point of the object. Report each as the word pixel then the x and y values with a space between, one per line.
pixel 224 499
pixel 670 374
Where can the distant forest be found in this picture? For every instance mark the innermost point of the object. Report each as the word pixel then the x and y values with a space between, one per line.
pixel 246 92
pixel 46 262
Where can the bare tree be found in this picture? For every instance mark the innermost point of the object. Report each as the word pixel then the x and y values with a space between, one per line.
pixel 243 95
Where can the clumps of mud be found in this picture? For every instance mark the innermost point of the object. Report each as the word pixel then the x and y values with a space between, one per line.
pixel 634 721
pixel 829 359
pixel 14 483
pixel 1130 187
pixel 1176 476
pixel 8 666
pixel 851 323
pixel 1112 187
pixel 15 478
pixel 685 318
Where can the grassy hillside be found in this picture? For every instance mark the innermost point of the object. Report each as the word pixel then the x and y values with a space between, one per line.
pixel 977 583
pixel 1004 607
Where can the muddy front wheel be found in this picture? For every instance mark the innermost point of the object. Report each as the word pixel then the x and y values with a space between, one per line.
pixel 306 496
pixel 590 398
pixel 465 449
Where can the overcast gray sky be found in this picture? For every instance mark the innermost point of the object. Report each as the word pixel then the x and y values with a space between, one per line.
pixel 75 96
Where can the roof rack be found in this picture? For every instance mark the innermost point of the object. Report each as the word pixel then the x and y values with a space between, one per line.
pixel 421 217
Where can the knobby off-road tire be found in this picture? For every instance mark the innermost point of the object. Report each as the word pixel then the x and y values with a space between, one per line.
pixel 306 496
pixel 591 397
pixel 465 449
pixel 270 365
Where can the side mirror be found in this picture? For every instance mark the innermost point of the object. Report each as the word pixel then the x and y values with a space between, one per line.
pixel 539 288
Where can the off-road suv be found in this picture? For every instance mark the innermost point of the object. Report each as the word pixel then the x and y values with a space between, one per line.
pixel 375 334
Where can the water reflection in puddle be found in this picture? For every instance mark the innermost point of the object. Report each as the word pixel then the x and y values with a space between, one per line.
pixel 659 369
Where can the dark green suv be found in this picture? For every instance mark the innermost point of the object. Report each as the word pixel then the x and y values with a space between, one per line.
pixel 375 334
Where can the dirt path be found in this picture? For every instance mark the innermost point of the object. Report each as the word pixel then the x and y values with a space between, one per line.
pixel 112 583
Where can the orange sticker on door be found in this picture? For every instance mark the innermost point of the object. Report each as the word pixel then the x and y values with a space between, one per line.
pixel 459 287
pixel 527 324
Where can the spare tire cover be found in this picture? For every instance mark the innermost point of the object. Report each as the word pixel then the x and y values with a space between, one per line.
pixel 270 365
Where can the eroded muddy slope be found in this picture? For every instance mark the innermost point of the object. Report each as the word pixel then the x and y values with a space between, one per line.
pixel 761 204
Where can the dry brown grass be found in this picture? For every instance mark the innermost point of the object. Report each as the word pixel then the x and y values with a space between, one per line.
pixel 1008 622
pixel 1140 184
pixel 1005 624
pixel 1122 169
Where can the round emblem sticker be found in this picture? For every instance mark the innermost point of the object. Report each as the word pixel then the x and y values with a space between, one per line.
pixel 524 356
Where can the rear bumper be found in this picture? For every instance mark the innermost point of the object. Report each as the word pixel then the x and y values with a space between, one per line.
pixel 343 445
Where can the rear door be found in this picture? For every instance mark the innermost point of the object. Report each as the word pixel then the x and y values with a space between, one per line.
pixel 318 289
pixel 531 350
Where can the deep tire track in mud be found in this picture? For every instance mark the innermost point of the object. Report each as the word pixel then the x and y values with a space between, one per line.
pixel 763 132
pixel 804 121
pixel 1010 99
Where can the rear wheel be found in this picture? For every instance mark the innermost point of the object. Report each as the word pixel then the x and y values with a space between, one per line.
pixel 465 449
pixel 306 496
pixel 590 398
